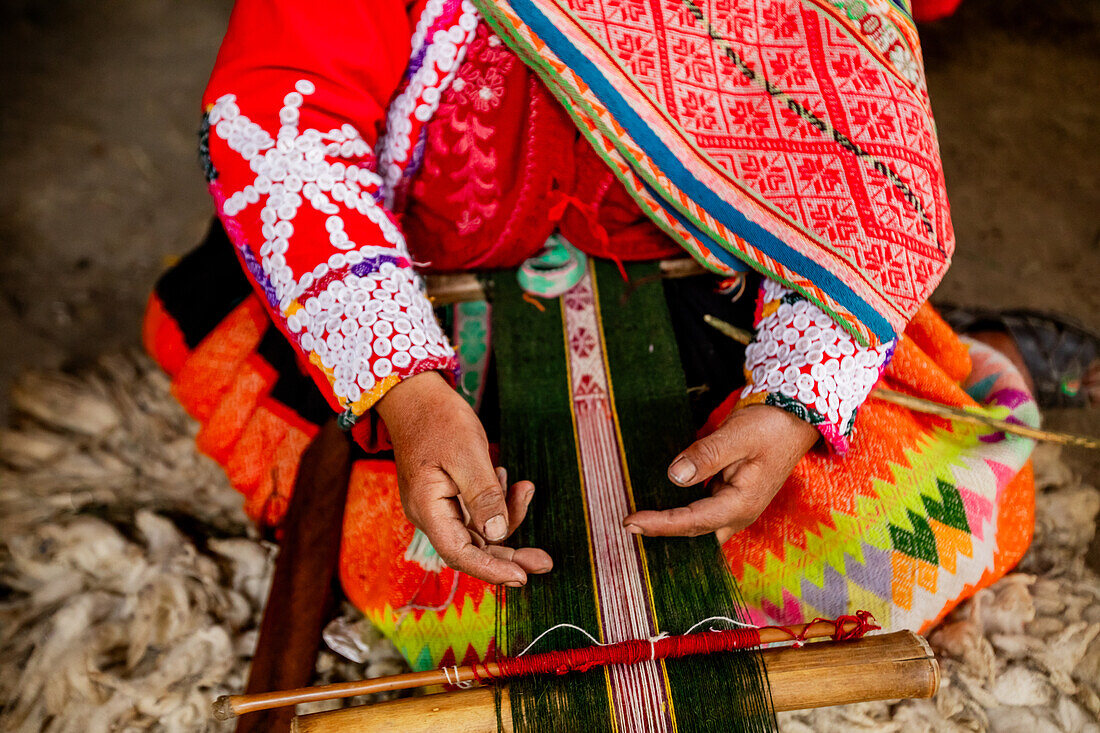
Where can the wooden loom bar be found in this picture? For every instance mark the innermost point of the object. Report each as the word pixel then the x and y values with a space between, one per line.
pixel 884 667
pixel 462 287
pixel 229 706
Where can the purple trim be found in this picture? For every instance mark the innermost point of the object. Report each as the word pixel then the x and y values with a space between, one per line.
pixel 417 159
pixel 366 267
pixel 1009 397
pixel 418 59
pixel 236 235
pixel 890 349
pixel 257 271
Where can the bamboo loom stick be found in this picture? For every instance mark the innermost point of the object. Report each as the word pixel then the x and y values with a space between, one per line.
pixel 457 288
pixel 928 407
pixel 884 667
pixel 300 599
pixel 228 706
pixel 464 286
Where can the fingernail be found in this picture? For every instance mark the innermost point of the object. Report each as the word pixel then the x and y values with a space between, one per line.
pixel 543 568
pixel 514 584
pixel 682 470
pixel 633 528
pixel 496 528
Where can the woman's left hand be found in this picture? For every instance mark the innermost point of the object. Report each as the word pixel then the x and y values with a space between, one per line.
pixel 751 455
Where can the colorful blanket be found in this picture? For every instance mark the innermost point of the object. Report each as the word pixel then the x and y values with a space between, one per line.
pixel 919 515
pixel 796 137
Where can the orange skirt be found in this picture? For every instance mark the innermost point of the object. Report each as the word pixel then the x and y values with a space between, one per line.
pixel 915 518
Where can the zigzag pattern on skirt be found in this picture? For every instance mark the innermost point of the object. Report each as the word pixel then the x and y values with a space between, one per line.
pixel 917 517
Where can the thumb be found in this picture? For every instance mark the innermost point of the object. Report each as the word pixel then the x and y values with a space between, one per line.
pixel 482 494
pixel 706 457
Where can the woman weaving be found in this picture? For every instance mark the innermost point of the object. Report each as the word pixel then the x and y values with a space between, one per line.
pixel 352 145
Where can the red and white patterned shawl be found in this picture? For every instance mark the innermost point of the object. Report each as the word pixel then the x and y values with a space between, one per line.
pixel 793 136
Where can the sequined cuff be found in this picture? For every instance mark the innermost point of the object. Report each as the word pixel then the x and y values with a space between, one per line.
pixel 803 362
pixel 368 332
pixel 311 231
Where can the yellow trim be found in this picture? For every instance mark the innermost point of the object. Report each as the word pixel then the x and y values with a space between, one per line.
pixel 629 486
pixel 367 399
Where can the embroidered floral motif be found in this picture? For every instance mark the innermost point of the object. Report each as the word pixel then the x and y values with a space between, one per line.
pixel 460 135
pixel 803 362
pixel 442 36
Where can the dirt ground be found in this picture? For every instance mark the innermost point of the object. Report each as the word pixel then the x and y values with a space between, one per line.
pixel 100 186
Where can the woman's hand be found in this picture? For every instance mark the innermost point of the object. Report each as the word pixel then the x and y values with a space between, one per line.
pixel 449 488
pixel 751 455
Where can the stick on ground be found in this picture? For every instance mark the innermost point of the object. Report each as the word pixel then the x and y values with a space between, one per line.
pixel 885 667
pixel 300 599
pixel 928 407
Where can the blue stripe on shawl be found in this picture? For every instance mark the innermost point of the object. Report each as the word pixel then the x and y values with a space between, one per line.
pixel 729 216
pixel 723 255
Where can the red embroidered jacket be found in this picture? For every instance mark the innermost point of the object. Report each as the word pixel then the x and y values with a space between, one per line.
pixel 325 119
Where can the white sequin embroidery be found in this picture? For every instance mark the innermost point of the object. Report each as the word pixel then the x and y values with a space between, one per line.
pixel 293 169
pixel 802 354
pixel 348 324
pixel 417 103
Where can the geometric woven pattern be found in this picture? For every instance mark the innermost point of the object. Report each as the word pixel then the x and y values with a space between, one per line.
pixel 796 136
pixel 918 515
pixel 434 615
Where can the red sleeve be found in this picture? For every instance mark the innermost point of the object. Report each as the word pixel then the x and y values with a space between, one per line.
pixel 293 114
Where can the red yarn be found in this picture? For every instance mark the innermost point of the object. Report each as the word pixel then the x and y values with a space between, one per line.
pixel 636 651
pixel 563 201
pixel 863 620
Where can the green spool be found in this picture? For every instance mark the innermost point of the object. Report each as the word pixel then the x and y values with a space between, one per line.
pixel 554 270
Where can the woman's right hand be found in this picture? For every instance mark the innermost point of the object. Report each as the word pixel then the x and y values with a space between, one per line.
pixel 449 487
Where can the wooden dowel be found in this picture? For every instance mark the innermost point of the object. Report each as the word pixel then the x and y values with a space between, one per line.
pixel 466 711
pixel 739 335
pixel 883 667
pixel 886 667
pixel 928 407
pixel 300 598
pixel 462 287
pixel 958 414
pixel 229 706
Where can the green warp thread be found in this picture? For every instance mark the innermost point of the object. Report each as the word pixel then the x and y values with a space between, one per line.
pixel 688 576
